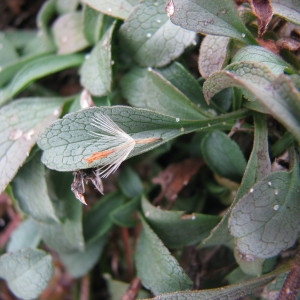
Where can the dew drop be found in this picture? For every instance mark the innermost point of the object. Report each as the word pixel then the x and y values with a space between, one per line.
pixel 209 125
pixel 194 43
pixel 87 56
pixel 147 213
pixel 15 134
pixel 158 21
pixel 177 120
pixel 56 112
pixel 109 9
pixel 251 190
pixel 182 129
pixel 276 207
pixel 149 69
pixel 269 183
pixel 29 135
pixel 155 3
pixel 243 35
pixel 276 192
pixel 112 62
pixel 148 35
pixel 170 9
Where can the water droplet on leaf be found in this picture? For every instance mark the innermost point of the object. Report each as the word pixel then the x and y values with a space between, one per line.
pixel 149 35
pixel 276 207
pixel 15 134
pixel 177 119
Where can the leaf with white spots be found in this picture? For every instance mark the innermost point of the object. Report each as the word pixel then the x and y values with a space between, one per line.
pixel 74 142
pixel 27 272
pixel 22 121
pixel 151 38
pixel 217 17
pixel 266 221
pixel 119 9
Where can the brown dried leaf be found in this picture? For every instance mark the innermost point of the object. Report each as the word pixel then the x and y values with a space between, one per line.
pixel 288 43
pixel 262 9
pixel 175 177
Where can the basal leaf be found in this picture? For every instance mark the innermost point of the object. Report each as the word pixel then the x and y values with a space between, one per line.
pixel 172 226
pixel 79 263
pixel 275 93
pixel 264 56
pixel 209 17
pixel 232 292
pixel 149 36
pixel 130 183
pixel 213 54
pixel 40 67
pixel 119 9
pixel 22 121
pixel 68 33
pixel 96 73
pixel 26 235
pixel 258 166
pixel 288 9
pixel 184 81
pixel 27 272
pixel 158 270
pixel 68 143
pixel 30 189
pixel 147 88
pixel 265 221
pixel 223 155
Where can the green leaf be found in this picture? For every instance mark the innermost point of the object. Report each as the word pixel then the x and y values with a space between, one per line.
pixel 258 166
pixel 265 221
pixel 65 6
pixel 41 67
pixel 276 93
pixel 288 9
pixel 30 189
pixel 27 272
pixel 172 226
pixel 68 33
pixel 219 47
pixel 264 56
pixel 95 24
pixel 22 121
pixel 158 270
pixel 130 183
pixel 96 72
pixel 232 292
pixel 119 9
pixel 151 38
pixel 26 235
pixel 79 263
pixel 223 155
pixel 183 80
pixel 147 88
pixel 97 221
pixel 8 54
pixel 126 214
pixel 209 17
pixel 70 141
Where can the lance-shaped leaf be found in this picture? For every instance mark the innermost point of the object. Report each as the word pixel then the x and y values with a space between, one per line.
pixel 258 166
pixel 22 121
pixel 76 141
pixel 209 17
pixel 266 220
pixel 277 94
pixel 119 9
pixel 232 292
pixel 288 9
pixel 147 88
pixel 96 73
pixel 158 270
pixel 264 56
pixel 151 38
pixel 27 272
pixel 30 189
pixel 172 226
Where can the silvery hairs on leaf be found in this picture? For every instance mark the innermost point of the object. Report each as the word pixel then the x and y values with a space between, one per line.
pixel 111 158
